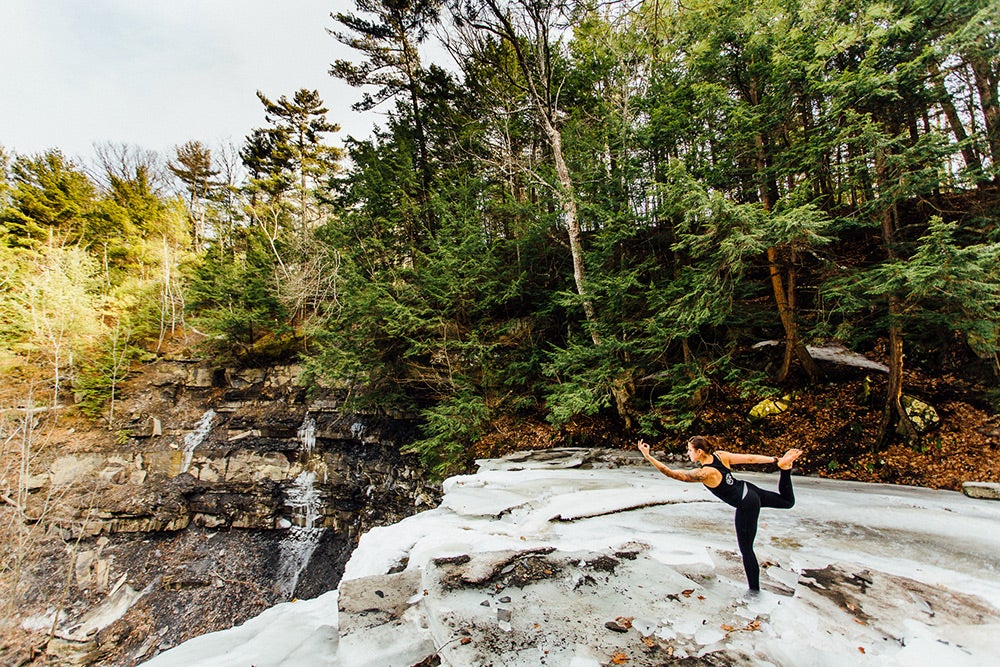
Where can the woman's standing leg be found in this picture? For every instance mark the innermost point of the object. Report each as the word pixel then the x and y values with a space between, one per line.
pixel 746 531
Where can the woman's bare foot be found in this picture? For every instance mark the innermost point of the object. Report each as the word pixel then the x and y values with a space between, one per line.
pixel 786 461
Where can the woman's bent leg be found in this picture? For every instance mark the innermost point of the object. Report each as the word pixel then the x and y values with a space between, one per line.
pixel 746 531
pixel 784 498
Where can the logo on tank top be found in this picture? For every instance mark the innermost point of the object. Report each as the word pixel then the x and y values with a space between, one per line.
pixel 729 479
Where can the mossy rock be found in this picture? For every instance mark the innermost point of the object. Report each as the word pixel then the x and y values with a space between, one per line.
pixel 923 415
pixel 770 407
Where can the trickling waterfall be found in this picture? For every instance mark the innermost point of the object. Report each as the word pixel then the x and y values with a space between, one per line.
pixel 298 546
pixel 195 438
pixel 307 434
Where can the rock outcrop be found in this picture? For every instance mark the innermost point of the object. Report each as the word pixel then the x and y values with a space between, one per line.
pixel 226 491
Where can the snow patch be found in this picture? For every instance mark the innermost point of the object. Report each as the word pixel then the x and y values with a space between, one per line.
pixel 516 566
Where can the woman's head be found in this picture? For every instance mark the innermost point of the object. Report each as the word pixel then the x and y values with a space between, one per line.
pixel 699 446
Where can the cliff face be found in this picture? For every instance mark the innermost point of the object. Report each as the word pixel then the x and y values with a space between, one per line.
pixel 227 491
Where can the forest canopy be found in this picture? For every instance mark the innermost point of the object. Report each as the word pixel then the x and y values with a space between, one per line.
pixel 591 208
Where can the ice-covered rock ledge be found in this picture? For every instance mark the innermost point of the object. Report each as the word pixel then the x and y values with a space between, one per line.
pixel 530 562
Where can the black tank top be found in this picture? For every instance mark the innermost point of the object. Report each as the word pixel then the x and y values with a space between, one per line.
pixel 730 490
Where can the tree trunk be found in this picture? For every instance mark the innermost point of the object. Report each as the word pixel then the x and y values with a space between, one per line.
pixel 893 412
pixel 986 85
pixel 784 295
pixel 955 121
pixel 622 387
pixel 567 200
pixel 785 300
pixel 412 66
pixel 302 184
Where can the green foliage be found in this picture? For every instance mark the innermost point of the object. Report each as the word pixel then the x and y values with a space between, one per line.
pixel 752 384
pixel 234 300
pixel 450 427
pixel 675 409
pixel 15 325
pixel 290 154
pixel 50 195
pixel 583 378
pixel 944 284
pixel 96 385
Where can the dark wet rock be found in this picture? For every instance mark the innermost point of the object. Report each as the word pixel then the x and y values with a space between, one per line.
pixel 503 568
pixel 602 564
pixel 616 626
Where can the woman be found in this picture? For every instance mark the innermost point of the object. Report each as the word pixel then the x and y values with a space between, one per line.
pixel 747 498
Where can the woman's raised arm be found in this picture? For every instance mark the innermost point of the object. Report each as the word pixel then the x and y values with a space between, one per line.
pixel 731 459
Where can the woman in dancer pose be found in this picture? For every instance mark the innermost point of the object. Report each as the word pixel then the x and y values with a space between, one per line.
pixel 747 498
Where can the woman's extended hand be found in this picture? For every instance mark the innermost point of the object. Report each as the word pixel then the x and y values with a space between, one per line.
pixel 644 448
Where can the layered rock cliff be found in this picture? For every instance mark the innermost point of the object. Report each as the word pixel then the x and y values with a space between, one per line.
pixel 224 492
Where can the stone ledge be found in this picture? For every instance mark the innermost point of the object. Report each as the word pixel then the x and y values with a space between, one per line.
pixel 986 490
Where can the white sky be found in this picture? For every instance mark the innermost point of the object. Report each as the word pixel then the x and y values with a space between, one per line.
pixel 157 73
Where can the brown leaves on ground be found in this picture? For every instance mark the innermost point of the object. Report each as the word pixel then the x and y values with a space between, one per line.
pixel 752 626
pixel 831 423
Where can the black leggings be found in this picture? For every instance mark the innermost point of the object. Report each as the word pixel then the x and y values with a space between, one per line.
pixel 746 520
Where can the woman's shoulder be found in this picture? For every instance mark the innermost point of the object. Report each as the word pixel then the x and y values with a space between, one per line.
pixel 722 457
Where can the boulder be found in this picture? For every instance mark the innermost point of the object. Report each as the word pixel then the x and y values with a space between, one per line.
pixel 208 520
pixel 149 428
pixel 35 482
pixel 69 469
pixel 770 407
pixel 93 572
pixel 168 373
pixel 242 378
pixel 923 416
pixel 200 376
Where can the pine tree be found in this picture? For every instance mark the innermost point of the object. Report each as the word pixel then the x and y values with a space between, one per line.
pixel 195 170
pixel 293 149
pixel 50 195
pixel 388 33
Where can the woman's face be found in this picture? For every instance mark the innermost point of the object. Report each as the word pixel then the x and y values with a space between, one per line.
pixel 693 453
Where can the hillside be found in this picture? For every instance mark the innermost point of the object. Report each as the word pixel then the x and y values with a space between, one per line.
pixel 835 423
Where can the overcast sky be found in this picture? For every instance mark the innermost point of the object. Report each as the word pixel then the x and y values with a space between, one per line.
pixel 157 73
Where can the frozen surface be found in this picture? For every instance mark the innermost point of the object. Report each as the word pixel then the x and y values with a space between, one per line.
pixel 195 438
pixel 533 565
